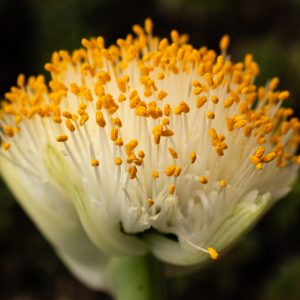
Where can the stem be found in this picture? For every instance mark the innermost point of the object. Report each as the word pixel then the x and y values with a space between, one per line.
pixel 136 278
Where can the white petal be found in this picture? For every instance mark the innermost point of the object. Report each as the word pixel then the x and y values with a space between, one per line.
pixel 58 222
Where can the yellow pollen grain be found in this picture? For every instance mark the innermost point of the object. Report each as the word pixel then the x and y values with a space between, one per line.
pixel 70 125
pixel 121 98
pixel 213 253
pixel 201 101
pixel 274 83
pixel 161 95
pixel 155 174
pixel 99 119
pixel 141 154
pixel 83 119
pixel 62 138
pixel 210 115
pixel 240 124
pixel 132 172
pixel 95 163
pixel 224 42
pixel 131 146
pixel 171 189
pixel 193 157
pixel 173 152
pixel 177 172
pixel 150 202
pixel 67 114
pixel 167 110
pixel 197 90
pixel 118 161
pixel 223 183
pixel 114 134
pixel 181 108
pixel 213 134
pixel 203 180
pixel 167 132
pixel 6 146
pixel 214 99
pixel 148 25
pixel 160 76
pixel 170 170
pixel 269 157
pixel 283 95
pixel 228 102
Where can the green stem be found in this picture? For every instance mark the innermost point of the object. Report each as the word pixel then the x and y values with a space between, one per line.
pixel 136 278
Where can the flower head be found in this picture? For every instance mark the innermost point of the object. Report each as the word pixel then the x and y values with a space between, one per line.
pixel 148 145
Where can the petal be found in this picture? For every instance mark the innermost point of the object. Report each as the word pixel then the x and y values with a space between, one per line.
pixel 104 232
pixel 245 215
pixel 57 220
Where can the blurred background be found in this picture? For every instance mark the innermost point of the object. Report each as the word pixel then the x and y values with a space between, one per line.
pixel 266 264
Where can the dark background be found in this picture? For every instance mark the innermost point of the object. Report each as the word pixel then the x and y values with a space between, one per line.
pixel 266 264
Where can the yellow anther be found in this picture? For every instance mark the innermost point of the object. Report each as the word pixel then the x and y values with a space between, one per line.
pixel 70 125
pixel 197 90
pixel 161 95
pixel 171 189
pixel 269 157
pixel 201 101
pixel 224 42
pixel 177 172
pixel 209 79
pixel 201 69
pixel 259 152
pixel 210 115
pixel 137 29
pixel 95 163
pixel 165 121
pixel 131 146
pixel 214 99
pixel 83 119
pixel 193 157
pixel 167 110
pixel 181 108
pixel 213 134
pixel 62 138
pixel 160 76
pixel 259 166
pixel 119 142
pixel 132 172
pixel 167 132
pixel 141 154
pixel 75 89
pixel 228 102
pixel 240 124
pixel 283 95
pixel 99 119
pixel 170 170
pixel 114 133
pixel 274 83
pixel 118 161
pixel 155 174
pixel 174 36
pixel 121 98
pixel 203 180
pixel 150 202
pixel 6 146
pixel 21 80
pixel 213 253
pixel 148 25
pixel 67 114
pixel 223 183
pixel 173 152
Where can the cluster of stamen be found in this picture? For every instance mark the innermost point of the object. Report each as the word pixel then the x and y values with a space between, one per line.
pixel 106 91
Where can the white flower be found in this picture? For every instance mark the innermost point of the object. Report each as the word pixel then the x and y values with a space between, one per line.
pixel 146 146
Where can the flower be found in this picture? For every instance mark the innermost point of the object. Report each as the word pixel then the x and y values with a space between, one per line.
pixel 146 146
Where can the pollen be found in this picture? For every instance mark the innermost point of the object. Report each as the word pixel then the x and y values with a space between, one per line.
pixel 213 253
pixel 62 138
pixel 95 163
